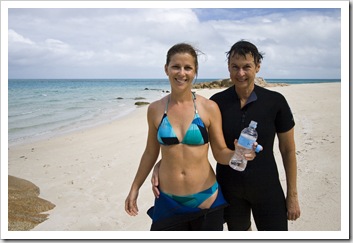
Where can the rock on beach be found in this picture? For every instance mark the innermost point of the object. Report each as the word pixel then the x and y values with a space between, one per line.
pixel 224 83
pixel 24 206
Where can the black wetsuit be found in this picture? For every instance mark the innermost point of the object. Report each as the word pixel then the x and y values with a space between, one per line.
pixel 258 188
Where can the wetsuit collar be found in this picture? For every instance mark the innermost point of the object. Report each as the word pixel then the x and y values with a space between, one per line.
pixel 252 97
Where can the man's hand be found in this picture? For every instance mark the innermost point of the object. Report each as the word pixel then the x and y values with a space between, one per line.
pixel 155 180
pixel 293 207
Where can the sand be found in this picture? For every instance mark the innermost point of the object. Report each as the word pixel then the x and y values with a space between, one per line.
pixel 87 174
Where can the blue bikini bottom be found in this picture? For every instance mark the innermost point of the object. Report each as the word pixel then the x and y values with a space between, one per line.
pixel 194 200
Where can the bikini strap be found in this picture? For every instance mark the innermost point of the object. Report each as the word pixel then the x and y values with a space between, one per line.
pixel 194 100
pixel 166 106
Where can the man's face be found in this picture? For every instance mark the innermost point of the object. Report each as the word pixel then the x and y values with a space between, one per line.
pixel 243 70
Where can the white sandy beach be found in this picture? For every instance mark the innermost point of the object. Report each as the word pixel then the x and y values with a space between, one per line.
pixel 87 174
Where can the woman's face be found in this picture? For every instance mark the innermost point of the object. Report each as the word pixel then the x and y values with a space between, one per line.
pixel 181 70
pixel 242 70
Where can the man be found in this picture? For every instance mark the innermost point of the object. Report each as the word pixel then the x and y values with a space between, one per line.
pixel 257 189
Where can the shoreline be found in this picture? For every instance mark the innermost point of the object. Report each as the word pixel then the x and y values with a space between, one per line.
pixel 87 173
pixel 103 120
pixel 106 120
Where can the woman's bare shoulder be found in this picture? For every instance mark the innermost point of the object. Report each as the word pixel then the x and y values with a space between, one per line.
pixel 206 103
pixel 157 106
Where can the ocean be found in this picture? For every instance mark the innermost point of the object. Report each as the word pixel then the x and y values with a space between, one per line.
pixel 42 108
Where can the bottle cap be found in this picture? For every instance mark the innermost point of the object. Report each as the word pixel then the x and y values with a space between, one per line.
pixel 258 148
pixel 253 124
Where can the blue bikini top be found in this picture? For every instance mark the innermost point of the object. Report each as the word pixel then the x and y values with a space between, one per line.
pixel 195 135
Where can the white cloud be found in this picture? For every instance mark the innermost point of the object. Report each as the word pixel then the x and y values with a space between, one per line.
pixel 294 44
pixel 115 43
pixel 17 38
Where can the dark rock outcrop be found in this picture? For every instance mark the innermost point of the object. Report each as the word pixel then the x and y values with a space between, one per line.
pixel 24 206
pixel 140 103
pixel 224 83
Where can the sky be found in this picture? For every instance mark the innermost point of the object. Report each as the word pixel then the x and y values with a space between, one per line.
pixel 58 42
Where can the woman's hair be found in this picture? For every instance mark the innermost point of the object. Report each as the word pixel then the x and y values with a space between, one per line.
pixel 244 47
pixel 183 48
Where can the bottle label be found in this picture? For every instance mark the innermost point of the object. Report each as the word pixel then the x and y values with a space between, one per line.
pixel 246 141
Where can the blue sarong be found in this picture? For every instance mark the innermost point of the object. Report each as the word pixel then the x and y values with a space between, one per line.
pixel 168 211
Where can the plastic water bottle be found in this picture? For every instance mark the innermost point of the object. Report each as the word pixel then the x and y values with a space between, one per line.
pixel 247 138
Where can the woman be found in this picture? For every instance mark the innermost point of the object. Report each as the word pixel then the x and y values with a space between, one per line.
pixel 180 125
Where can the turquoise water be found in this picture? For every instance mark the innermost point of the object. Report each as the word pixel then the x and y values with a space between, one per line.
pixel 47 107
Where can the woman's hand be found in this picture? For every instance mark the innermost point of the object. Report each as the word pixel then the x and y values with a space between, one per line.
pixel 248 156
pixel 154 179
pixel 131 203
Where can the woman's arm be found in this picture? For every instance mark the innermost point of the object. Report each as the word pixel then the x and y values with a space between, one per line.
pixel 147 161
pixel 220 151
